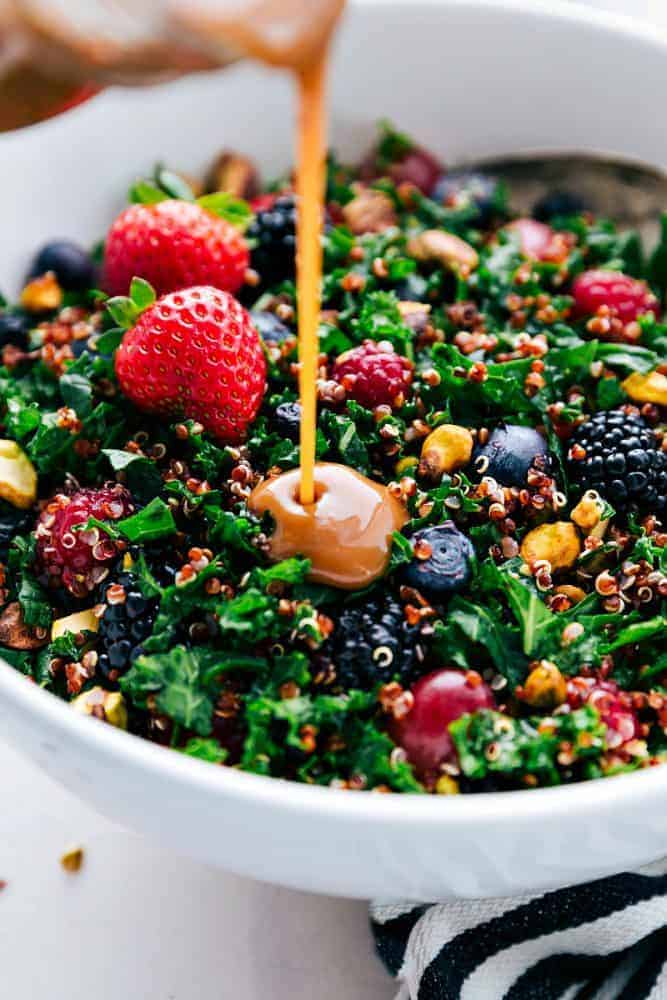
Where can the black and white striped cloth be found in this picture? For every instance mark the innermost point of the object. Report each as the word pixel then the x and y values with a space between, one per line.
pixel 606 940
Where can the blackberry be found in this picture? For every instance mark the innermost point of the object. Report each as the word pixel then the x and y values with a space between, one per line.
pixel 621 460
pixel 127 621
pixel 559 204
pixel 273 237
pixel 372 644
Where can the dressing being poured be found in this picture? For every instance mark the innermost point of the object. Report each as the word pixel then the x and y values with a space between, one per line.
pixel 340 520
pixel 332 515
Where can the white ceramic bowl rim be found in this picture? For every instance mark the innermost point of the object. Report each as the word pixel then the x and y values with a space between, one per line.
pixel 628 791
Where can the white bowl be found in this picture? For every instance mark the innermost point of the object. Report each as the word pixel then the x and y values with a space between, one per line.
pixel 469 79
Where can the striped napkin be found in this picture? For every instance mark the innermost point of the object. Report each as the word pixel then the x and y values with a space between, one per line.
pixel 606 940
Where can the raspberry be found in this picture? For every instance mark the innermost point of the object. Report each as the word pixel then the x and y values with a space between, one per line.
pixel 403 163
pixel 613 705
pixel 374 375
pixel 79 560
pixel 263 202
pixel 418 167
pixel 195 354
pixel 173 244
pixel 629 297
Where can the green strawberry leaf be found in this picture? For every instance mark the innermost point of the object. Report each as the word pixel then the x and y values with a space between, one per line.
pixel 108 341
pixel 226 206
pixel 146 193
pixel 123 311
pixel 142 293
pixel 173 185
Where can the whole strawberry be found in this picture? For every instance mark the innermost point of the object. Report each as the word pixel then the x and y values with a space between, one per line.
pixel 195 354
pixel 174 244
pixel 373 374
pixel 78 559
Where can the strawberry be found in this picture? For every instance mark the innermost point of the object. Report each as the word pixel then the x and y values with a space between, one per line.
pixel 174 244
pixel 195 354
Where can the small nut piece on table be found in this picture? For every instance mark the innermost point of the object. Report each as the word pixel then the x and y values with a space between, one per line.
pixel 446 449
pixel 72 860
pixel 557 543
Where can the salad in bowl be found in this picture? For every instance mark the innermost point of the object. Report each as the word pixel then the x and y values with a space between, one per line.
pixel 504 377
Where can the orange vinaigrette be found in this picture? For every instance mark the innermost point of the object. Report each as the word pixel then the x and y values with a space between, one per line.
pixel 337 518
pixel 310 185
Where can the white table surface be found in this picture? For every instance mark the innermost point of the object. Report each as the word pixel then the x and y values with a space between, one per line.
pixel 140 923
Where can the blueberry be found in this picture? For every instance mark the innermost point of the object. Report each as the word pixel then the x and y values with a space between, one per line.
pixel 511 450
pixel 288 420
pixel 449 566
pixel 14 330
pixel 465 187
pixel 559 203
pixel 412 288
pixel 79 346
pixel 71 264
pixel 269 327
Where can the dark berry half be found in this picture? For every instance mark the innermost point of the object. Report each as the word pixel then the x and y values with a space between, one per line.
pixel 508 454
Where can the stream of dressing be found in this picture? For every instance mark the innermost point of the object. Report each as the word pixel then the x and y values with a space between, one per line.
pixel 330 513
pixel 311 155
